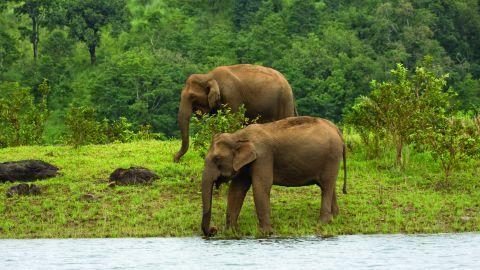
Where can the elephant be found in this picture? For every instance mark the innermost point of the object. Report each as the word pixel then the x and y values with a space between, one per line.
pixel 292 152
pixel 263 91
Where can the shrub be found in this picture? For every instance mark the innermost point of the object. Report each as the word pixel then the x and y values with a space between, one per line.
pixel 84 128
pixel 225 120
pixel 451 140
pixel 402 106
pixel 22 120
pixel 367 127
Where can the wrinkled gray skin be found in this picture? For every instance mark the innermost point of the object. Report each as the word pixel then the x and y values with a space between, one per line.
pixel 263 91
pixel 296 151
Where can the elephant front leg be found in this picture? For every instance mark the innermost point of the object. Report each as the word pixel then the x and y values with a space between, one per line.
pixel 236 195
pixel 261 196
pixel 262 180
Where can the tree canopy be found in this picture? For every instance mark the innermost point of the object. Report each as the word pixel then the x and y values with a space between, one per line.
pixel 144 50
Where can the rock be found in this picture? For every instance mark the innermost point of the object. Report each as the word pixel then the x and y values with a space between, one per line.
pixel 26 170
pixel 133 175
pixel 23 189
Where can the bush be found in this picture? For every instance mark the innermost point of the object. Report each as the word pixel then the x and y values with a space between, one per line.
pixel 205 126
pixel 22 120
pixel 83 128
pixel 368 128
pixel 401 107
pixel 451 140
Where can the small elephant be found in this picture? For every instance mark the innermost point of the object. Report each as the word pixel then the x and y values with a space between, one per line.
pixel 263 91
pixel 292 152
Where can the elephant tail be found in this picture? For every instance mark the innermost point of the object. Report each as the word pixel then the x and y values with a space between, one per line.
pixel 344 155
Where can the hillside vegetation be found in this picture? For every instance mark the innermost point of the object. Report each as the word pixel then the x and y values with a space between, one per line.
pixel 130 58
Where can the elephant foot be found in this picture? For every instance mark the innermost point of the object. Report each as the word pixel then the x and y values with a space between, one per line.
pixel 211 232
pixel 326 217
pixel 232 226
pixel 266 231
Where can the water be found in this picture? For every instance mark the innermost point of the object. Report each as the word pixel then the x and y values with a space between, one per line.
pixel 442 251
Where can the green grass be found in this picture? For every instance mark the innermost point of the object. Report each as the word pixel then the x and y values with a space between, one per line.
pixel 381 199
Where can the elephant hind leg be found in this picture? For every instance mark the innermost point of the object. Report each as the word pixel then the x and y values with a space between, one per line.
pixel 327 184
pixel 335 209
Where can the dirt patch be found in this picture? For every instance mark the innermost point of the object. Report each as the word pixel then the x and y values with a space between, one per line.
pixel 26 170
pixel 23 189
pixel 132 176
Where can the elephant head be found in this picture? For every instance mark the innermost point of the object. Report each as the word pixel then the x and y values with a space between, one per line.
pixel 226 157
pixel 201 93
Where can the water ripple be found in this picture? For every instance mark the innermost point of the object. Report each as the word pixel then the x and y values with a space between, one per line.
pixel 440 251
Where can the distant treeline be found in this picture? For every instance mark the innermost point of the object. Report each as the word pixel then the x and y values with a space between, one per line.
pixel 131 58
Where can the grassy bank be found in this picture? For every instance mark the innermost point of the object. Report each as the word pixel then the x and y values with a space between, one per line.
pixel 381 198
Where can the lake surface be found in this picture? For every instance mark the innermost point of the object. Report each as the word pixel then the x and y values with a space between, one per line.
pixel 441 251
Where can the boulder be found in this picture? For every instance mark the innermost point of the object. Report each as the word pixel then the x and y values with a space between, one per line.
pixel 23 189
pixel 26 170
pixel 132 176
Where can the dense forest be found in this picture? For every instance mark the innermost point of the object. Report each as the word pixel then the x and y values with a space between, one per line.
pixel 130 58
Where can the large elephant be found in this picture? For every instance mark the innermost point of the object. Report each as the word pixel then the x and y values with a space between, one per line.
pixel 263 91
pixel 296 151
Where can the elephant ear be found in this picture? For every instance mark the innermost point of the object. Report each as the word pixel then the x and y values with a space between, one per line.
pixel 243 154
pixel 208 82
pixel 214 94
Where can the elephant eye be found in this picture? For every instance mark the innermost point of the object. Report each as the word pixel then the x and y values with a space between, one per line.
pixel 217 159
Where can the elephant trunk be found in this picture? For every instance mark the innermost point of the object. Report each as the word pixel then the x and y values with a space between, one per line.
pixel 208 180
pixel 184 113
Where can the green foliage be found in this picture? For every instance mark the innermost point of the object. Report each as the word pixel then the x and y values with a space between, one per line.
pixel 243 11
pixel 401 107
pixel 8 52
pixel 451 140
pixel 39 12
pixel 370 130
pixel 83 128
pixel 86 19
pixel 469 93
pixel 303 17
pixel 328 50
pixel 328 72
pixel 22 120
pixel 205 126
pixel 148 91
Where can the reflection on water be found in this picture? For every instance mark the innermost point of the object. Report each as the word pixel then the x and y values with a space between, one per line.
pixel 442 251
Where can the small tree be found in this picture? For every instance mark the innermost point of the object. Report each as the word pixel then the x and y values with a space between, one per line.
pixel 86 19
pixel 402 106
pixel 39 11
pixel 22 121
pixel 451 140
pixel 369 129
pixel 205 126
